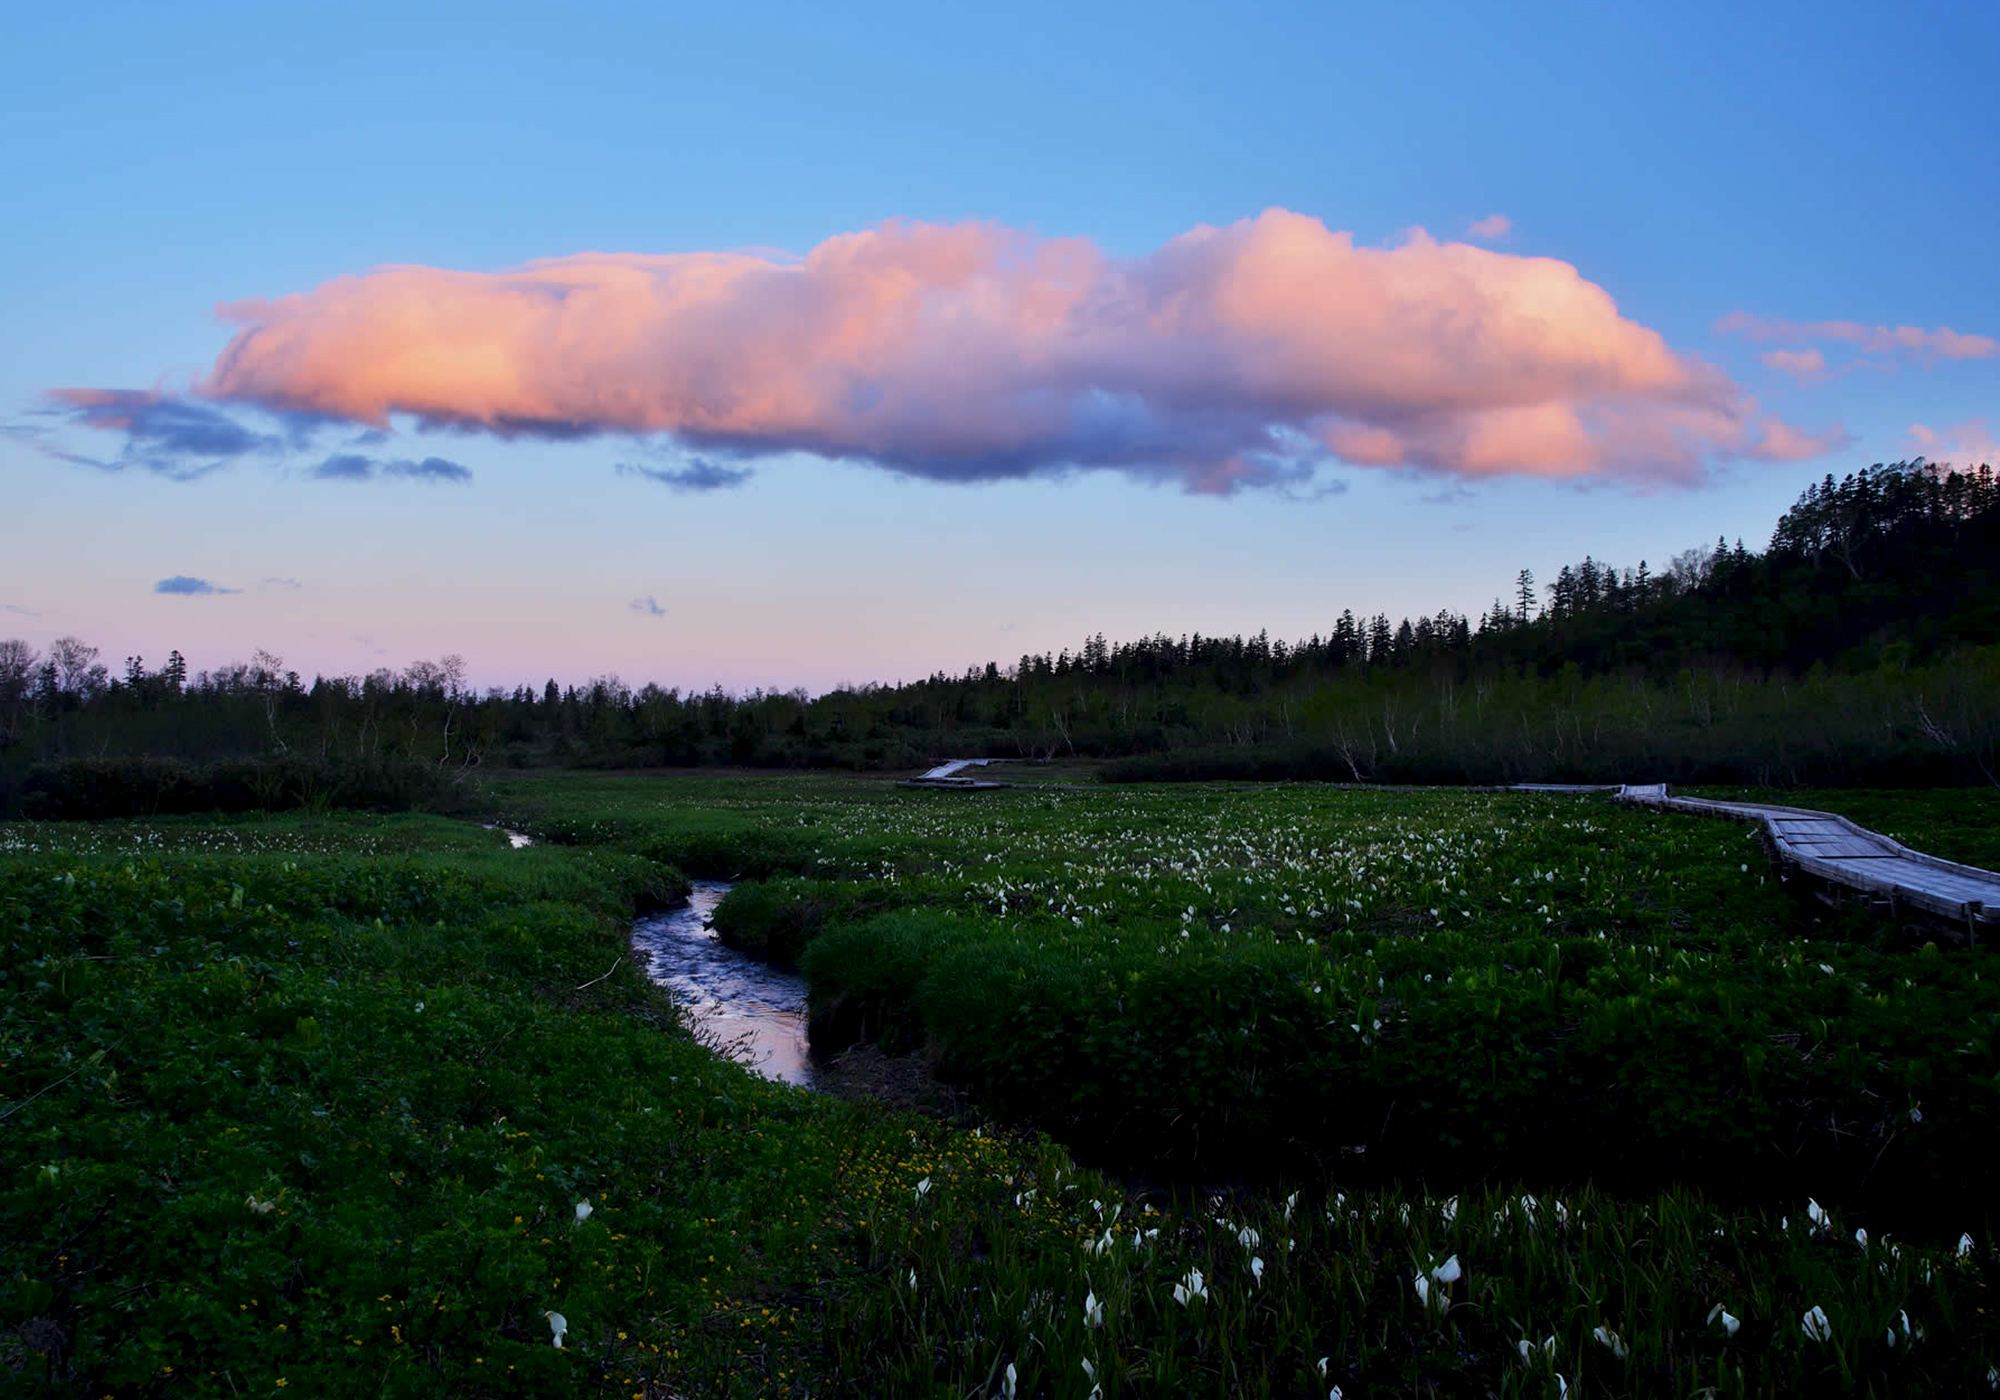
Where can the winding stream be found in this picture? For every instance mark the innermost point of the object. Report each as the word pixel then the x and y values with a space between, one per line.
pixel 756 1012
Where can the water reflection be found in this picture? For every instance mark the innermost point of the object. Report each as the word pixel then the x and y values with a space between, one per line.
pixel 758 1011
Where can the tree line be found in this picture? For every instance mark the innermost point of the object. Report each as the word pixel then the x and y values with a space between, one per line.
pixel 1862 644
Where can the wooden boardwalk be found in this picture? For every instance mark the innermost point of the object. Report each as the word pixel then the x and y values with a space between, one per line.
pixel 952 775
pixel 1849 857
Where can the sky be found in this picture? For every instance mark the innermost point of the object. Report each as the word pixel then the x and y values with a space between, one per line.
pixel 808 345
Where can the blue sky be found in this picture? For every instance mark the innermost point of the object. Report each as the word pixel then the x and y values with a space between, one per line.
pixel 1803 164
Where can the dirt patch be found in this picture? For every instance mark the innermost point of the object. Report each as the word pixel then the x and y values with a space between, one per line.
pixel 899 1081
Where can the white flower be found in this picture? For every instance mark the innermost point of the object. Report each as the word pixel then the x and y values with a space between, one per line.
pixel 1818 1216
pixel 1093 1311
pixel 1257 1270
pixel 559 1325
pixel 1448 1271
pixel 1815 1324
pixel 582 1211
pixel 1248 1238
pixel 1423 1286
pixel 1322 1367
pixel 1916 1115
pixel 1610 1339
pixel 1007 1383
pixel 923 1188
pixel 258 1207
pixel 1729 1323
pixel 1190 1287
pixel 1965 1246
pixel 1861 1238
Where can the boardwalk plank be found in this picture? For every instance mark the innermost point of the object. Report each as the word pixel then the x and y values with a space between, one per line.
pixel 1834 849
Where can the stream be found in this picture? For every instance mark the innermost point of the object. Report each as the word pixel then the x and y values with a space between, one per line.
pixel 756 1013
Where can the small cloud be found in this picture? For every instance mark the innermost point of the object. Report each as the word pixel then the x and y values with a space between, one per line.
pixel 352 466
pixel 1492 226
pixel 287 583
pixel 181 583
pixel 23 612
pixel 1800 364
pixel 171 437
pixel 1930 345
pixel 345 466
pixel 433 469
pixel 699 475
pixel 1777 441
pixel 647 607
pixel 1967 444
pixel 1450 494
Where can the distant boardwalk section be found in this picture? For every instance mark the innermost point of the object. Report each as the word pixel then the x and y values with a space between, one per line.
pixel 953 775
pixel 1847 857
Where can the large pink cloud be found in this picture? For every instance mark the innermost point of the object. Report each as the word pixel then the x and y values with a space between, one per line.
pixel 1228 356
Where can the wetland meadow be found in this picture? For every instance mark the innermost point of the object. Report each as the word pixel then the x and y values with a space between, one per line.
pixel 1282 1091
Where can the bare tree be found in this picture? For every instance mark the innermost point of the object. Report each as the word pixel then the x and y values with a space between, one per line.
pixel 267 678
pixel 17 673
pixel 78 672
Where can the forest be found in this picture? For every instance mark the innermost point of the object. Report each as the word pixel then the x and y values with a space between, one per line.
pixel 1860 646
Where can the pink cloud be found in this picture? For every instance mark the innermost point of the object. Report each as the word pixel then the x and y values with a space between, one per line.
pixel 1779 442
pixel 1967 444
pixel 1227 357
pixel 1492 226
pixel 1804 364
pixel 1940 343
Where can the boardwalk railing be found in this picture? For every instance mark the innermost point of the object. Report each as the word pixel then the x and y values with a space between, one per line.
pixel 1833 849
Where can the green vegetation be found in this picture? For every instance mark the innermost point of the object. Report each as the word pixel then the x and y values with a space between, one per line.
pixel 316 1100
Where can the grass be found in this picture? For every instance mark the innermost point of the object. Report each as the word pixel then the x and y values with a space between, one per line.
pixel 401 1037
pixel 1553 987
